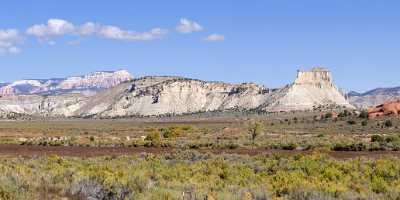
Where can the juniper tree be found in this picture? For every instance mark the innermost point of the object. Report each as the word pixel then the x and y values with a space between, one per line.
pixel 255 129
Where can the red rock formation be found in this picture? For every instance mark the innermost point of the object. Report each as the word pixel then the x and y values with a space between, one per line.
pixel 388 108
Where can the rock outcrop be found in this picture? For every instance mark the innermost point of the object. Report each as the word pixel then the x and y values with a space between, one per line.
pixel 310 89
pixel 374 97
pixel 173 95
pixel 97 80
pixel 63 105
pixel 163 95
pixel 388 108
pixel 93 82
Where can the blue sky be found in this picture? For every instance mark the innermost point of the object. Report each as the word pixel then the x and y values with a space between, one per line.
pixel 264 41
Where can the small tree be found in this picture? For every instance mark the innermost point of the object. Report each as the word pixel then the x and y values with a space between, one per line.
pixel 351 122
pixel 364 114
pixel 388 123
pixel 328 115
pixel 364 123
pixel 255 129
pixel 345 113
pixel 377 138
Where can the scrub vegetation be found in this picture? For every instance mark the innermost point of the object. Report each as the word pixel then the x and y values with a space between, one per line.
pixel 345 131
pixel 187 171
pixel 191 175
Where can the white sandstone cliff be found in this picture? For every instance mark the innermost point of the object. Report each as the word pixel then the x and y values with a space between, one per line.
pixel 174 95
pixel 163 95
pixel 310 89
pixel 92 82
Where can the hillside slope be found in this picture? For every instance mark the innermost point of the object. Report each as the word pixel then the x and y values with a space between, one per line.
pixel 374 97
pixel 93 82
pixel 164 95
pixel 174 95
pixel 311 89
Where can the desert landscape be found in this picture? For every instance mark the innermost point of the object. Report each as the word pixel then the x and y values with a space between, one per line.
pixel 199 100
pixel 179 138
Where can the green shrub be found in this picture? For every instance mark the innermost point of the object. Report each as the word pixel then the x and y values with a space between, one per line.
pixel 309 194
pixel 377 138
pixel 175 131
pixel 363 114
pixel 395 146
pixel 379 185
pixel 388 123
pixel 172 132
pixel 376 146
pixel 154 137
pixel 289 146
pixel 392 138
pixel 344 113
pixel 232 145
pixel 349 147
pixel 328 115
pixel 351 122
pixel 364 123
pixel 4 194
pixel 199 176
pixel 187 128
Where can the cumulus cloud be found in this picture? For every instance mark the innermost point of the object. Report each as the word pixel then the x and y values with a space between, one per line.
pixel 116 33
pixel 59 27
pixel 54 27
pixel 89 28
pixel 188 26
pixel 215 38
pixel 9 39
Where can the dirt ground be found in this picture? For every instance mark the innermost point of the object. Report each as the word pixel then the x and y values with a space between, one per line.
pixel 29 151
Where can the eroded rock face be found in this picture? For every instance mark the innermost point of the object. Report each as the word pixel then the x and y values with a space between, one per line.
pixel 374 97
pixel 64 105
pixel 88 83
pixel 310 89
pixel 174 95
pixel 317 76
pixel 388 108
pixel 161 95
pixel 95 80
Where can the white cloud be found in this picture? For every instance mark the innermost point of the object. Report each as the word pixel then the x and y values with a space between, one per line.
pixel 60 27
pixel 188 26
pixel 54 27
pixel 116 33
pixel 9 39
pixel 215 38
pixel 47 32
pixel 89 28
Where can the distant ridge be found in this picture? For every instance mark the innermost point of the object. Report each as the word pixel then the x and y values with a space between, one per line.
pixel 374 97
pixel 92 82
pixel 171 95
